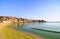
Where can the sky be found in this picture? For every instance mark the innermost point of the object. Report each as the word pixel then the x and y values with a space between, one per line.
pixel 31 9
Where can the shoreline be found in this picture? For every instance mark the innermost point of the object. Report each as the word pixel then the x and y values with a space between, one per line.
pixel 29 34
pixel 6 24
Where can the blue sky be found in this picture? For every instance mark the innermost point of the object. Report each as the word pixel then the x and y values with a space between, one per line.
pixel 31 9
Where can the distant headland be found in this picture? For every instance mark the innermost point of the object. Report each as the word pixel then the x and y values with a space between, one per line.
pixel 16 19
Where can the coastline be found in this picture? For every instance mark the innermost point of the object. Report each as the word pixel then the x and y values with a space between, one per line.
pixel 6 30
pixel 20 34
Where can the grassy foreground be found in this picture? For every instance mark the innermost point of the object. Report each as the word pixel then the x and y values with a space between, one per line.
pixel 13 34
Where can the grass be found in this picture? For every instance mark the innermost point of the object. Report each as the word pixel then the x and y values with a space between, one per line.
pixel 13 34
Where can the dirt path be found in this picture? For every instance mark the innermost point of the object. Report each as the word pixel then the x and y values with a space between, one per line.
pixel 1 32
pixel 1 35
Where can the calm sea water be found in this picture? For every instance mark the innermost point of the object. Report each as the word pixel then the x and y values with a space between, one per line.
pixel 43 29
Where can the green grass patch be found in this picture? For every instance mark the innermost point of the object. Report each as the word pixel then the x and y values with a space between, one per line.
pixel 13 34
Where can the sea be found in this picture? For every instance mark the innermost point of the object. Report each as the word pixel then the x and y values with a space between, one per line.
pixel 46 30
